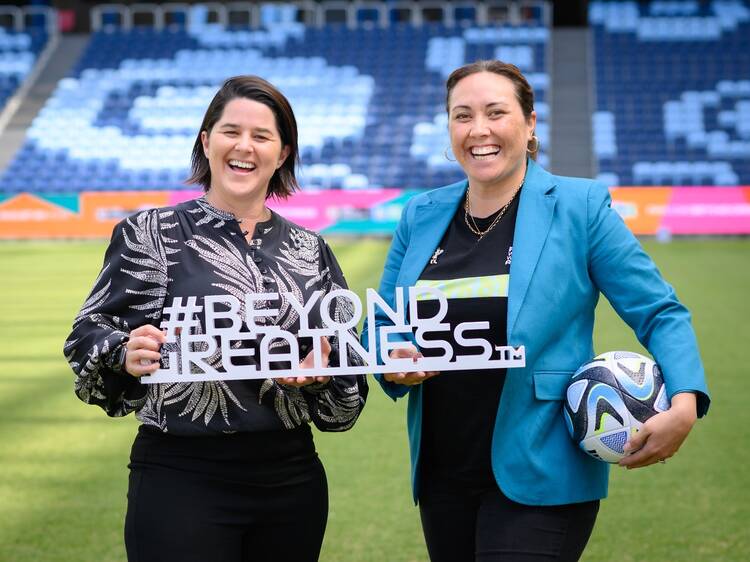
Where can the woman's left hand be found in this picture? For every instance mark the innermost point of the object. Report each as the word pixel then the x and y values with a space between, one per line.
pixel 661 436
pixel 307 363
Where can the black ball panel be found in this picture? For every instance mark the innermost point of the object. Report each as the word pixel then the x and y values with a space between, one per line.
pixel 641 411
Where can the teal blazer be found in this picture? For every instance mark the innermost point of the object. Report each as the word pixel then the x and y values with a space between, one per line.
pixel 569 246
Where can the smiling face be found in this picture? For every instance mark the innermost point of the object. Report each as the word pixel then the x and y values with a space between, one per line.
pixel 244 150
pixel 488 130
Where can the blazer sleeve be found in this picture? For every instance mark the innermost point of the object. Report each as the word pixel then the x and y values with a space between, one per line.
pixel 631 282
pixel 336 405
pixel 129 292
pixel 387 291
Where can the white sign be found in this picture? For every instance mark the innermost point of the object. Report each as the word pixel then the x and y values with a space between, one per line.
pixel 188 348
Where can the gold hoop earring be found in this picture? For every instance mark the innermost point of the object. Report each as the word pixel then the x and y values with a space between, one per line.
pixel 448 158
pixel 536 142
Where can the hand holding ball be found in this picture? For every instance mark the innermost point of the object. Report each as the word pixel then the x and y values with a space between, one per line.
pixel 609 399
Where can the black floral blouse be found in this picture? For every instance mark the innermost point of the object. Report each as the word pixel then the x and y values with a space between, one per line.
pixel 194 249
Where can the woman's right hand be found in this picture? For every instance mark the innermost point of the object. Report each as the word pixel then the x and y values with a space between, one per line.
pixel 409 378
pixel 142 350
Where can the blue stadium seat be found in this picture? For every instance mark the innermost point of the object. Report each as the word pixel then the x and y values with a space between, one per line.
pixel 18 53
pixel 368 101
pixel 687 79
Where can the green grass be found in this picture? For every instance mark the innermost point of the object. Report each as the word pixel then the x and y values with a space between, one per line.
pixel 64 475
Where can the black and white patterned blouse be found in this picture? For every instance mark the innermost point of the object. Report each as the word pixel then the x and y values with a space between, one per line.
pixel 194 249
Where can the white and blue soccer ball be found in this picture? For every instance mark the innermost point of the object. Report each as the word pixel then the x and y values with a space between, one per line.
pixel 609 399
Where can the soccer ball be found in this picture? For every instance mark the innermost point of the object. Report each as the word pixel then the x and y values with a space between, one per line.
pixel 609 399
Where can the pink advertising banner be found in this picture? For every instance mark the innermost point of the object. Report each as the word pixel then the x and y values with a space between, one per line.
pixel 317 210
pixel 684 210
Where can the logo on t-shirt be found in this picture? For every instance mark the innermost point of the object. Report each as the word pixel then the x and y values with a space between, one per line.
pixel 434 258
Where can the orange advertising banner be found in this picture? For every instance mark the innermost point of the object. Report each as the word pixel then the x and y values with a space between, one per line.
pixel 641 207
pixel 28 216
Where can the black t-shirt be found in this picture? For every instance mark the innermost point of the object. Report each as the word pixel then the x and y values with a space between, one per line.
pixel 459 407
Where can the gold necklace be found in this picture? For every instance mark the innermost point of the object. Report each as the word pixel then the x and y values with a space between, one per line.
pixel 473 225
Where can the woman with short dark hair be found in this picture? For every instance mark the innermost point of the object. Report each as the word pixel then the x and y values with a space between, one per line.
pixel 220 470
pixel 494 470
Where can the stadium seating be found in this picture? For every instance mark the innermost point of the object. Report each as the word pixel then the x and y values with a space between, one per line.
pixel 18 53
pixel 369 100
pixel 672 92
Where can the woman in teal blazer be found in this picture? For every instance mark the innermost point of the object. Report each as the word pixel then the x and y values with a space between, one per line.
pixel 567 247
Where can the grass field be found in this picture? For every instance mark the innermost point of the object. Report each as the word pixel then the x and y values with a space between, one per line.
pixel 63 464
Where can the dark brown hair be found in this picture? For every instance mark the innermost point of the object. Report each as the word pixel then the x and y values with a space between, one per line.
pixel 524 93
pixel 283 182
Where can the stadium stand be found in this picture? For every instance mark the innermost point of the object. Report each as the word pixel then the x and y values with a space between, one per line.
pixel 368 92
pixel 673 92
pixel 21 42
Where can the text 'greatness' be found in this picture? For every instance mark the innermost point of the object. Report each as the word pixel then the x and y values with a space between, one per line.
pixel 189 354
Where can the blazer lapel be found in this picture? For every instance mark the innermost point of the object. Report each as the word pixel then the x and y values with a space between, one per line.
pixel 431 220
pixel 535 212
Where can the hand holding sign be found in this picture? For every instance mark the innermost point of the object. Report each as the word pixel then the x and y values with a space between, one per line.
pixel 142 350
pixel 408 378
pixel 308 363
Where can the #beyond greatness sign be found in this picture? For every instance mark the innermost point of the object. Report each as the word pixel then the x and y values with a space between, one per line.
pixel 190 351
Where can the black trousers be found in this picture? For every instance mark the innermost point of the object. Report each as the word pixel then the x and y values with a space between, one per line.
pixel 482 525
pixel 234 498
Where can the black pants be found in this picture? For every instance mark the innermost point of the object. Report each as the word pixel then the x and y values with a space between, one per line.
pixel 483 525
pixel 234 498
